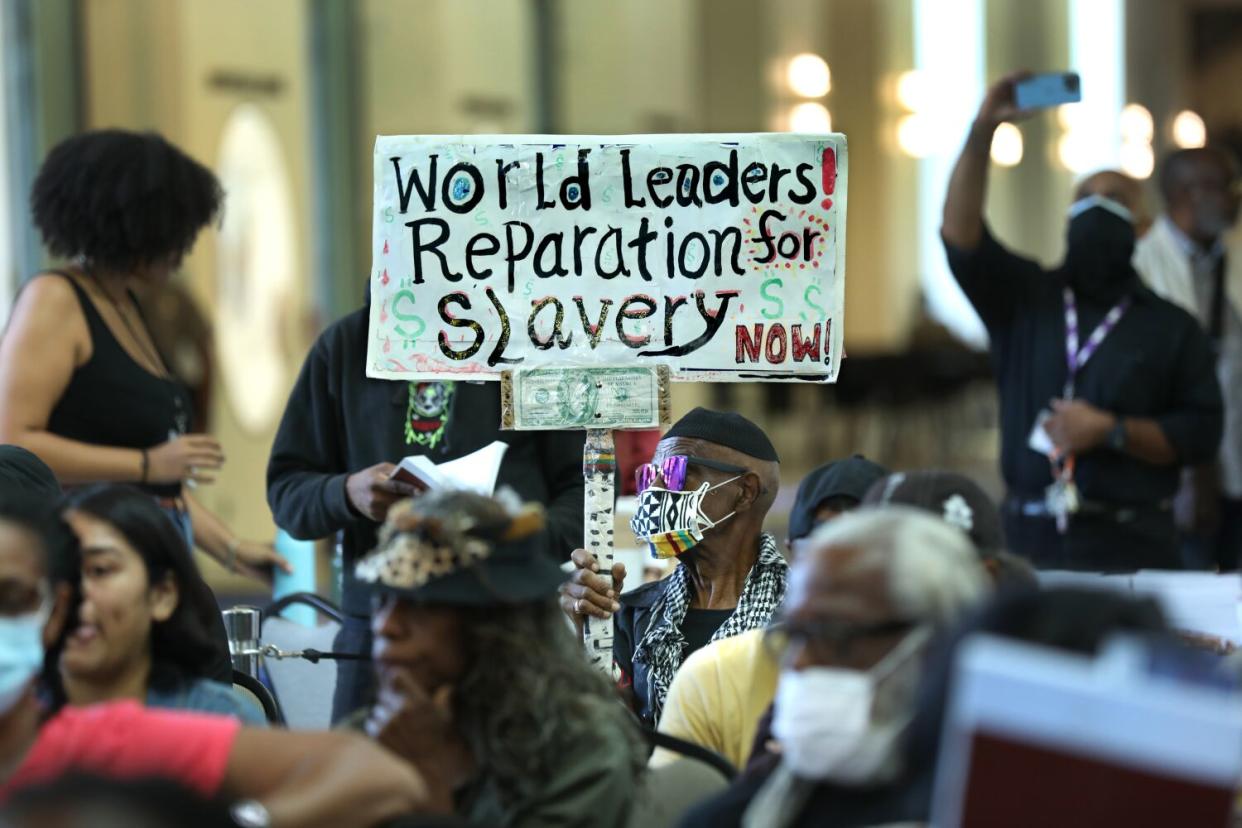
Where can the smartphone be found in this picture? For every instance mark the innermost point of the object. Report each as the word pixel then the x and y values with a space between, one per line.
pixel 1050 89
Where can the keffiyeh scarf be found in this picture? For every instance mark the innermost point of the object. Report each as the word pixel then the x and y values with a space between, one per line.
pixel 663 647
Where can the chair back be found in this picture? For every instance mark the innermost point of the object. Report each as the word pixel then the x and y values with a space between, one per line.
pixel 253 690
pixel 665 795
pixel 303 689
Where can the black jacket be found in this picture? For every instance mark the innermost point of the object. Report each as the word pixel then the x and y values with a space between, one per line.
pixel 630 625
pixel 338 421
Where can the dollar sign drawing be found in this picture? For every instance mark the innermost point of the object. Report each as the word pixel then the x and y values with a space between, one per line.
pixel 806 297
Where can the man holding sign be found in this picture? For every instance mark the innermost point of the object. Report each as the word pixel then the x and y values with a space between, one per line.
pixel 585 269
pixel 702 500
pixel 721 257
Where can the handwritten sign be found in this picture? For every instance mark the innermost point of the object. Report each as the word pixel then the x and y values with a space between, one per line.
pixel 722 257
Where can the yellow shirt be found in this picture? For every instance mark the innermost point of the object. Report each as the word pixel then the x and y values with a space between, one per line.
pixel 718 696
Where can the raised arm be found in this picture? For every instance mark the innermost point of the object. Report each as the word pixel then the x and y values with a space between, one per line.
pixel 963 204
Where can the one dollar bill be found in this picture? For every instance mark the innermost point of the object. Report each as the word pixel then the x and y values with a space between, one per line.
pixel 577 398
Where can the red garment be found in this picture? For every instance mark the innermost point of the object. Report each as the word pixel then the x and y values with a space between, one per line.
pixel 633 448
pixel 124 740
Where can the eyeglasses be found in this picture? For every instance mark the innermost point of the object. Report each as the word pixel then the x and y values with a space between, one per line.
pixel 673 470
pixel 828 641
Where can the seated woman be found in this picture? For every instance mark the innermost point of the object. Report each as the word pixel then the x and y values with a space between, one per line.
pixel 482 686
pixel 145 621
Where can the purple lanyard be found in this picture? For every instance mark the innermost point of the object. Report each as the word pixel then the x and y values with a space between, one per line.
pixel 1075 358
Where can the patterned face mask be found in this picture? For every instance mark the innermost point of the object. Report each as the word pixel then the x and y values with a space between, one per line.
pixel 671 522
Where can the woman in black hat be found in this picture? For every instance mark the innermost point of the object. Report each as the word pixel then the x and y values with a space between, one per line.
pixel 482 685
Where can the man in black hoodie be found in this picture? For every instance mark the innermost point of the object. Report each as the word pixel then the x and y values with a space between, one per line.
pixel 338 443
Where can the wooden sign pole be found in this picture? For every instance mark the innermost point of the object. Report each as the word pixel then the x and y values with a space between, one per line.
pixel 599 400
pixel 599 466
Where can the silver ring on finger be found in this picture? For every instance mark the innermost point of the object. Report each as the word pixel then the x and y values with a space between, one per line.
pixel 578 606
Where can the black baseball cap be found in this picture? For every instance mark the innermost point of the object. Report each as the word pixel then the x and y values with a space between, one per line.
pixel 851 478
pixel 725 428
pixel 953 497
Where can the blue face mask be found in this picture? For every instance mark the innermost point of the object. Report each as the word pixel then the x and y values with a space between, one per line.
pixel 21 653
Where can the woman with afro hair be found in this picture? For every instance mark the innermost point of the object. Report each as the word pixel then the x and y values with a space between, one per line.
pixel 82 384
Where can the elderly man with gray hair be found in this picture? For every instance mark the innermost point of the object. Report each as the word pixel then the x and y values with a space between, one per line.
pixel 863 601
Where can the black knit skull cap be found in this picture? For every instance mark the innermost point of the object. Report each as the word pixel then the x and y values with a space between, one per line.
pixel 724 428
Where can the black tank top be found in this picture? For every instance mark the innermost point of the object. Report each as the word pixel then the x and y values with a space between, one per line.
pixel 111 400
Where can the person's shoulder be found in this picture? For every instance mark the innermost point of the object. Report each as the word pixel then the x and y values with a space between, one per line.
pixel 645 595
pixel 1170 313
pixel 745 645
pixel 1148 246
pixel 987 248
pixel 52 295
pixel 346 331
pixel 84 725
pixel 732 649
pixel 52 285
pixel 609 754
pixel 209 696
pixel 116 725
pixel 707 662
pixel 744 654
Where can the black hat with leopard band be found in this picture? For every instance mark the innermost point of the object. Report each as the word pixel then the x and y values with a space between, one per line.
pixel 455 548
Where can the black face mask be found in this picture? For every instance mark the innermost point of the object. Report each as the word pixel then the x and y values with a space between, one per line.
pixel 1100 245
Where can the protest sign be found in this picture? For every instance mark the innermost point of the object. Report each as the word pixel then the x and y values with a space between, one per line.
pixel 721 257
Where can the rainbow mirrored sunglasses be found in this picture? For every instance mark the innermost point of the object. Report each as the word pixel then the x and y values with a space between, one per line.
pixel 673 471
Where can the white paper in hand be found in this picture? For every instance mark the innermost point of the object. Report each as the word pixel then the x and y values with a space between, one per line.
pixel 1039 440
pixel 476 472
pixel 420 472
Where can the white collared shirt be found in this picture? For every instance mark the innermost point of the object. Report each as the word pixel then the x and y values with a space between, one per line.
pixel 1229 368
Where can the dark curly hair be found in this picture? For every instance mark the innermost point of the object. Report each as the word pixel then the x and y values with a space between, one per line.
pixel 529 699
pixel 122 200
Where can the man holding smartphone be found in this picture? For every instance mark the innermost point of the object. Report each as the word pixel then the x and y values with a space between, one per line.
pixel 1105 389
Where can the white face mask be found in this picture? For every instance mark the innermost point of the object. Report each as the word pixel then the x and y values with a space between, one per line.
pixel 833 727
pixel 21 653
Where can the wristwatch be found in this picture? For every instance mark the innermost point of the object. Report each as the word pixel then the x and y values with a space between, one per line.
pixel 1117 437
pixel 250 813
